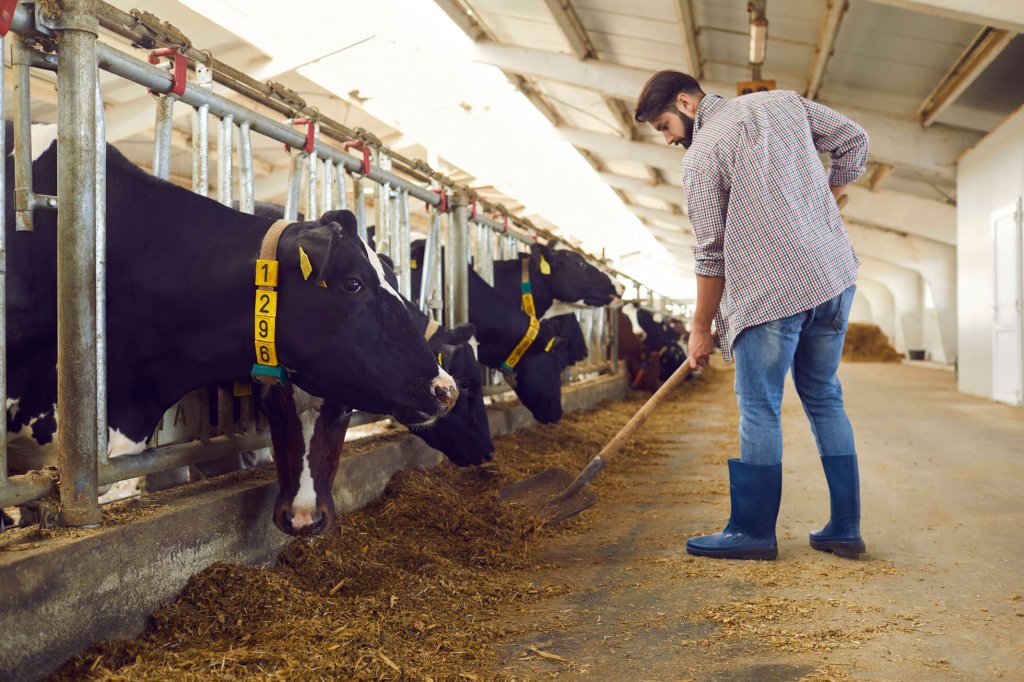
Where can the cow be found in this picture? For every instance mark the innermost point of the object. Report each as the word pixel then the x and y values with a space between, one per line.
pixel 555 274
pixel 643 367
pixel 180 292
pixel 500 325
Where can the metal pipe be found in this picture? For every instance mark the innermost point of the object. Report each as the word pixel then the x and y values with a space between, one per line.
pixel 457 262
pixel 201 134
pixel 327 193
pixel 225 147
pixel 168 457
pixel 246 184
pixel 150 76
pixel 76 264
pixel 359 198
pixel 162 136
pixel 23 194
pixel 311 165
pixel 429 263
pixel 25 488
pixel 101 275
pixel 291 200
pixel 340 194
pixel 404 247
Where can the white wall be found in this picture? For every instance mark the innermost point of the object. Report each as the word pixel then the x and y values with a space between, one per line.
pixel 989 177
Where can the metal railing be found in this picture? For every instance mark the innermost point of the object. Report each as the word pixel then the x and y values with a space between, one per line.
pixel 320 177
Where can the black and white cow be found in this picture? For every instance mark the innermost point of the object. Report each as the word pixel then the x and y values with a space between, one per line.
pixel 180 293
pixel 500 325
pixel 556 274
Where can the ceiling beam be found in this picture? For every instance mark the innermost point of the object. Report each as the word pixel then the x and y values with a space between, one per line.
pixel 981 52
pixel 879 175
pixel 572 28
pixel 900 142
pixel 688 35
pixel 624 82
pixel 1004 14
pixel 660 190
pixel 675 223
pixel 828 29
pixel 902 213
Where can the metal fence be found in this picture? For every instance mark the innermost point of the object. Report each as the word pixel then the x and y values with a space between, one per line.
pixel 320 179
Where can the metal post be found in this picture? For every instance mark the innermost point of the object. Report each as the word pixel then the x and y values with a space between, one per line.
pixel 429 263
pixel 311 166
pixel 225 147
pixel 327 177
pixel 101 276
pixel 76 264
pixel 291 201
pixel 340 194
pixel 404 248
pixel 162 138
pixel 201 135
pixel 382 208
pixel 359 198
pixel 22 138
pixel 457 262
pixel 246 187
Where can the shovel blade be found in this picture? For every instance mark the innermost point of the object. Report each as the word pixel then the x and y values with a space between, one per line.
pixel 539 495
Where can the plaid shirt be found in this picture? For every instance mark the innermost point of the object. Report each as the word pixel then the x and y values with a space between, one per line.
pixel 759 200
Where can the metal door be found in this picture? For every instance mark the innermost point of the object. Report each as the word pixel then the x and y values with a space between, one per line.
pixel 1007 351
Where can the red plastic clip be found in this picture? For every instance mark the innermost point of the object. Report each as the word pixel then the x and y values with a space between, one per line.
pixel 7 8
pixel 359 144
pixel 442 207
pixel 505 216
pixel 310 133
pixel 180 71
pixel 472 209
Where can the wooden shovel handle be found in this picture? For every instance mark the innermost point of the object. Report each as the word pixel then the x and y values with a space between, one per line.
pixel 616 443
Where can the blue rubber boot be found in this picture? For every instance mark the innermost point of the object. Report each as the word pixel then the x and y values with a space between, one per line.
pixel 755 492
pixel 841 535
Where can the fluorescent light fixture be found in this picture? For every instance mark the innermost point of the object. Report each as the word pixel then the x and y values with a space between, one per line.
pixel 758 40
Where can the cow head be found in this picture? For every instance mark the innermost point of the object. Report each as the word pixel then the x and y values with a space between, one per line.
pixel 571 278
pixel 537 381
pixel 464 435
pixel 308 435
pixel 568 327
pixel 345 332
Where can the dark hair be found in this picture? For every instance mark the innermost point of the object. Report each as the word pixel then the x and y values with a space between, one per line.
pixel 659 93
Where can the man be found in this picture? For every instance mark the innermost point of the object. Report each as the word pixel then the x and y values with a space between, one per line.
pixel 776 272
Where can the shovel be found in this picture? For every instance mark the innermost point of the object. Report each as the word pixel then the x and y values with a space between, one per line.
pixel 555 495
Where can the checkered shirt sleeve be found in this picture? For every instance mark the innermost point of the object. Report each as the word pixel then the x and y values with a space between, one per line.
pixel 707 202
pixel 840 138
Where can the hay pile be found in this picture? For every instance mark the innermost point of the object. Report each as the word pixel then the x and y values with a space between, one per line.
pixel 423 584
pixel 867 343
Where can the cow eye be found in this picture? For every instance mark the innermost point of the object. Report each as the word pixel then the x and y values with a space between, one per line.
pixel 352 285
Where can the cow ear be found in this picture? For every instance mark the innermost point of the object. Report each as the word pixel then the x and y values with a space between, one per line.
pixel 462 333
pixel 346 219
pixel 386 260
pixel 314 248
pixel 553 242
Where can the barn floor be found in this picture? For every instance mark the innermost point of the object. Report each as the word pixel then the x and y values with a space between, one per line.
pixel 436 581
pixel 939 596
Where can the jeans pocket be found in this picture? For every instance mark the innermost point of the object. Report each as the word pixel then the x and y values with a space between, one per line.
pixel 842 317
pixel 787 325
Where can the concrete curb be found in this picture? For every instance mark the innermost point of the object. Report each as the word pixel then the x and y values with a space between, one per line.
pixel 64 593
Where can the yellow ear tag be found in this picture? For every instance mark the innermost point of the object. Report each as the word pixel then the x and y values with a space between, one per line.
pixel 412 263
pixel 551 342
pixel 304 264
pixel 323 284
pixel 545 267
pixel 439 359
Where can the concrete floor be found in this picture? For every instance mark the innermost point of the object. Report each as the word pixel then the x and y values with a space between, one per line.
pixel 939 596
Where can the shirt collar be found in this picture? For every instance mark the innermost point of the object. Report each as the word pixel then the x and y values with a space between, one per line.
pixel 709 104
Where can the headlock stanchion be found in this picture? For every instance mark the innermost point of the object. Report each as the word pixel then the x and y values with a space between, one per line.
pixel 323 152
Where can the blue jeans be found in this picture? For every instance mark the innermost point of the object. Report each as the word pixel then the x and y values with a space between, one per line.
pixel 810 344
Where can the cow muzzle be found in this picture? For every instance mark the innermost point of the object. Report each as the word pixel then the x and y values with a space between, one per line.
pixel 303 522
pixel 445 391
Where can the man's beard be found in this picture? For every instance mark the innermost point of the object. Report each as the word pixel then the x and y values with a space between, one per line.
pixel 687 137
